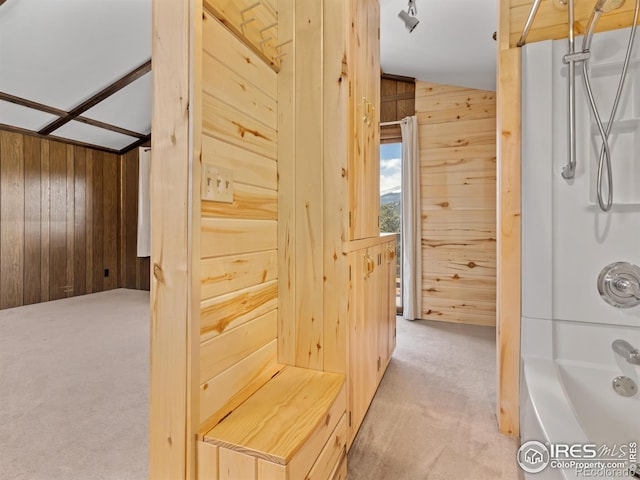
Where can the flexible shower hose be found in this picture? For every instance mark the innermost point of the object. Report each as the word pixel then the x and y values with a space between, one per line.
pixel 605 150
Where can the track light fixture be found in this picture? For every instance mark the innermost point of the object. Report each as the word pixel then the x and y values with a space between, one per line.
pixel 410 21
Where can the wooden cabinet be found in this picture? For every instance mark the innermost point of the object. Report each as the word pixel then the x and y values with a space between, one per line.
pixel 371 323
pixel 387 305
pixel 328 192
pixel 364 96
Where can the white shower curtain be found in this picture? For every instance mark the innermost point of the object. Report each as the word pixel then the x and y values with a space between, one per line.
pixel 144 207
pixel 411 240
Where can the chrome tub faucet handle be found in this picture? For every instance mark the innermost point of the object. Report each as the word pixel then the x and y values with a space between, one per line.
pixel 627 351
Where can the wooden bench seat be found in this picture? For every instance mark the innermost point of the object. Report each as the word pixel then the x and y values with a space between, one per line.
pixel 293 428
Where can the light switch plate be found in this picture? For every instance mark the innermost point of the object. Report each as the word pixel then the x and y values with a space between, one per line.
pixel 217 184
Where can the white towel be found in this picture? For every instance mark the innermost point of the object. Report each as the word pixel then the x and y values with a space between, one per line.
pixel 144 207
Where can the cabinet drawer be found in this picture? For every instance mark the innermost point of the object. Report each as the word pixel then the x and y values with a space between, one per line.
pixel 333 453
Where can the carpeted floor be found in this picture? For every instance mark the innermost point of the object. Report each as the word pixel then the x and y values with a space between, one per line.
pixel 74 381
pixel 433 416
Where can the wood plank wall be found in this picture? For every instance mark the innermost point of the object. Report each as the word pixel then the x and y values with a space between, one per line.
pixel 313 89
pixel 551 20
pixel 457 137
pixel 239 267
pixel 397 97
pixel 61 214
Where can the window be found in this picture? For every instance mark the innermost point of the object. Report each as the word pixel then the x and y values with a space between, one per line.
pixel 391 203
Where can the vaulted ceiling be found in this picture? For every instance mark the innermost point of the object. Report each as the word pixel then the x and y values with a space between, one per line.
pixel 451 45
pixel 79 70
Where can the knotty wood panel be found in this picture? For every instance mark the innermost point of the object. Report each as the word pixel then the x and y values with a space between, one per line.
pixel 458 199
pixel 309 193
pixel 238 279
pixel 551 20
pixel 223 275
pixel 174 239
pixel 335 144
pixel 256 23
pixel 61 221
pixel 509 240
pixel 287 209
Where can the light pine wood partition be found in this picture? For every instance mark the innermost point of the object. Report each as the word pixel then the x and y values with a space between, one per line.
pixel 175 253
pixel 68 214
pixel 239 257
pixel 457 138
pixel 313 93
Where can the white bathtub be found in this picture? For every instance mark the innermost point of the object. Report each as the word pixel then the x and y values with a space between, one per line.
pixel 573 402
pixel 567 330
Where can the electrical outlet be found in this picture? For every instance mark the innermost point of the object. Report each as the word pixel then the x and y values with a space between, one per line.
pixel 217 184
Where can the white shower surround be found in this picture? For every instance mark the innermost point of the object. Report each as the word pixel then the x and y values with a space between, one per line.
pixel 567 329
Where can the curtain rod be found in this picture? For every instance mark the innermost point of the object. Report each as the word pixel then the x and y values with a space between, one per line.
pixel 397 122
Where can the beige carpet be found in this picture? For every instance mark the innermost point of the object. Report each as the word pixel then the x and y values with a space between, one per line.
pixel 74 381
pixel 433 416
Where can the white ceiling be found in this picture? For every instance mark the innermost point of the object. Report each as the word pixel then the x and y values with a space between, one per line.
pixel 452 45
pixel 61 53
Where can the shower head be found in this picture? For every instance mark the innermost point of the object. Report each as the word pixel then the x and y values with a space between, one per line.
pixel 601 6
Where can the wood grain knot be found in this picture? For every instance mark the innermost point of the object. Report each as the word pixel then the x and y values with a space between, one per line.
pixel 456 276
pixel 157 273
pixel 471 265
pixel 444 204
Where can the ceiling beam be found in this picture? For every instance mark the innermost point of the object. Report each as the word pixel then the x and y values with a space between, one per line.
pixel 136 144
pixel 113 128
pixel 61 113
pixel 31 133
pixel 23 102
pixel 98 97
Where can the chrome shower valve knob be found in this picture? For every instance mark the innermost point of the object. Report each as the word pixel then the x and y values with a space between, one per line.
pixel 619 284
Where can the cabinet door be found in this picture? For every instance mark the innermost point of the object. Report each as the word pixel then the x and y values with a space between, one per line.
pixel 392 275
pixel 363 343
pixel 383 309
pixel 359 117
pixel 364 159
pixel 372 148
pixel 387 312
